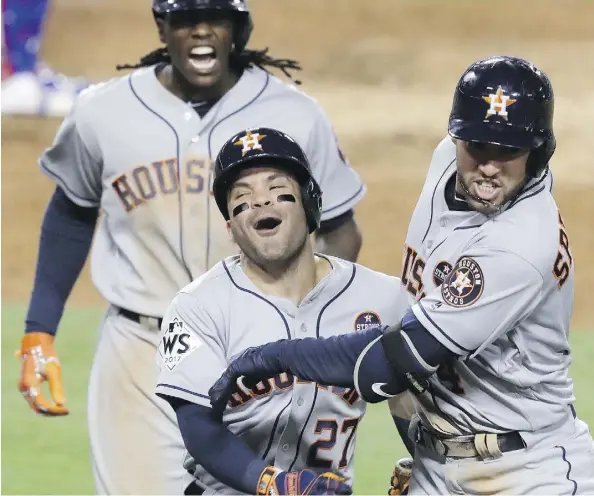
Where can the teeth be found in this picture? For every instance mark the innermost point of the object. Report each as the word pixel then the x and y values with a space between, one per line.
pixel 203 65
pixel 485 189
pixel 202 50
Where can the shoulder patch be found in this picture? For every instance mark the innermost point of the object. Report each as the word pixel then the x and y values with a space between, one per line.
pixel 366 320
pixel 441 272
pixel 464 284
pixel 177 343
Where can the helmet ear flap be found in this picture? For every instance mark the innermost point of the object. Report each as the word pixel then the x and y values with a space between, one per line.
pixel 539 157
pixel 311 197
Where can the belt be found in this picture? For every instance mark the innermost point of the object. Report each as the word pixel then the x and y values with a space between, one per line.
pixel 482 445
pixel 144 320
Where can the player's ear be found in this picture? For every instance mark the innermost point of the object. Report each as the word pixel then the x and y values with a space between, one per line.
pixel 230 232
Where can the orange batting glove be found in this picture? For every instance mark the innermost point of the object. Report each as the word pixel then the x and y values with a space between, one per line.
pixel 40 363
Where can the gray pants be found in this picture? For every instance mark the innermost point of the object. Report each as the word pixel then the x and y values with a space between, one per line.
pixel 559 461
pixel 136 446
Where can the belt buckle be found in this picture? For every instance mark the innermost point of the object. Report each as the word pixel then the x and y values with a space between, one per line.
pixel 149 322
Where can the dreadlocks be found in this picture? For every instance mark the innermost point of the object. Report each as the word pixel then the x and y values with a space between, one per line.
pixel 242 60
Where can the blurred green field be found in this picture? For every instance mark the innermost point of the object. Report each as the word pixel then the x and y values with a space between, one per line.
pixel 51 456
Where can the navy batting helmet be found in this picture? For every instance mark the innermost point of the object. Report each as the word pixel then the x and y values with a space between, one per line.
pixel 237 8
pixel 506 101
pixel 266 147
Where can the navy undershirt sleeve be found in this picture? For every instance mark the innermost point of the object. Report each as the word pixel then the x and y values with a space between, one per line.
pixel 226 457
pixel 64 243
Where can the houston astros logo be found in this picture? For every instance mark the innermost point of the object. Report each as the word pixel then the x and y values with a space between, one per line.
pixel 464 284
pixel 441 272
pixel 366 319
pixel 498 103
pixel 251 141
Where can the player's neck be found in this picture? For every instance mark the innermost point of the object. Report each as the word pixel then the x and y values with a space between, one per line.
pixel 292 280
pixel 177 84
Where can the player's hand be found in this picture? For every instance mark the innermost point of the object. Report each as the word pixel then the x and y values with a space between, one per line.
pixel 255 364
pixel 401 477
pixel 39 363
pixel 275 482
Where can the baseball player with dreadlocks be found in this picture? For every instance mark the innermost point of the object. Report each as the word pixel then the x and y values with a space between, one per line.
pixel 140 148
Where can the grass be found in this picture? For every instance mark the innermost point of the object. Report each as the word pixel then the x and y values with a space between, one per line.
pixel 51 455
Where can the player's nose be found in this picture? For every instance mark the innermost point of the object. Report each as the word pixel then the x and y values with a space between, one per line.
pixel 490 168
pixel 202 29
pixel 261 202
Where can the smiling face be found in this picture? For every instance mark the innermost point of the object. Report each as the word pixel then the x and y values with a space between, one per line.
pixel 267 218
pixel 491 173
pixel 199 43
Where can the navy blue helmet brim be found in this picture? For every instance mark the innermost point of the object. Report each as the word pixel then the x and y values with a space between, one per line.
pixel 495 133
pixel 163 7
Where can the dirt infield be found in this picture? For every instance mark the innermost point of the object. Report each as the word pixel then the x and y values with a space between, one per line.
pixel 383 69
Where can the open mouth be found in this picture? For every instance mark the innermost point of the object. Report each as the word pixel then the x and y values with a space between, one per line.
pixel 267 225
pixel 486 190
pixel 203 58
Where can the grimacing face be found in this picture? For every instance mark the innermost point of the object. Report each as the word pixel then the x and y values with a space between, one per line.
pixel 199 43
pixel 490 172
pixel 267 219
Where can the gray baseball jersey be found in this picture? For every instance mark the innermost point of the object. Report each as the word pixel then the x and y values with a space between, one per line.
pixel 290 423
pixel 497 290
pixel 144 156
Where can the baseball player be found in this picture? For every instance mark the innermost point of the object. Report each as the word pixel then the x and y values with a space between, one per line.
pixel 484 344
pixel 277 434
pixel 140 149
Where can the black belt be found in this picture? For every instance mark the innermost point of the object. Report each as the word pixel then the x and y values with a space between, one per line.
pixel 140 319
pixel 466 446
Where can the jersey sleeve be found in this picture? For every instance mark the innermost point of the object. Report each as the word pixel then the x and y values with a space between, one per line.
pixel 485 295
pixel 191 353
pixel 74 162
pixel 341 185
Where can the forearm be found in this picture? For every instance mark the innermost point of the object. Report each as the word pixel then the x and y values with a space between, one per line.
pixel 340 237
pixel 379 363
pixel 64 243
pixel 308 358
pixel 226 457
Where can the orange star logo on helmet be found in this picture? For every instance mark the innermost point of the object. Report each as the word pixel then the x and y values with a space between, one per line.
pixel 251 141
pixel 498 103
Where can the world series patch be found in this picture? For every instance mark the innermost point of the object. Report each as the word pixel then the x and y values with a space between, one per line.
pixel 177 343
pixel 464 284
pixel 365 320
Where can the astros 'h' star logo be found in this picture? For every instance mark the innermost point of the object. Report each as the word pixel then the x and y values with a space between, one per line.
pixel 251 141
pixel 498 103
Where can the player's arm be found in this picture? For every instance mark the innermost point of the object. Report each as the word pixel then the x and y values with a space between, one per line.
pixel 382 363
pixel 64 242
pixel 192 340
pixel 379 362
pixel 342 189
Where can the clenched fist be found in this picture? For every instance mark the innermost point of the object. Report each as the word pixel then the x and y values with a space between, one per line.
pixel 39 363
